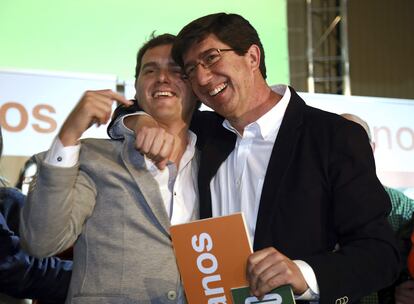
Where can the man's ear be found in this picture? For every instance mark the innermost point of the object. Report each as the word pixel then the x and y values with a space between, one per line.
pixel 136 95
pixel 136 91
pixel 253 55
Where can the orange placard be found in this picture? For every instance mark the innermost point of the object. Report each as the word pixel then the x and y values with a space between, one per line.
pixel 211 256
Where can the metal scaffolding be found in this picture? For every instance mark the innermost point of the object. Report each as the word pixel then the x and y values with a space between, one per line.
pixel 327 47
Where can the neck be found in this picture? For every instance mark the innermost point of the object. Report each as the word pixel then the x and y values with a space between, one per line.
pixel 261 102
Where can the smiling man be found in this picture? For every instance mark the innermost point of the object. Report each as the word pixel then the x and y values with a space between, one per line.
pixel 298 173
pixel 112 203
pixel 304 178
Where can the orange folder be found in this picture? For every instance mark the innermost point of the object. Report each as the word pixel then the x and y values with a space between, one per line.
pixel 212 256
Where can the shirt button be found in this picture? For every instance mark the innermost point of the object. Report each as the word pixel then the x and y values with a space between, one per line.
pixel 171 295
pixel 59 159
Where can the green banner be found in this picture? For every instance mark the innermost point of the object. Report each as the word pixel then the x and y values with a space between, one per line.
pixel 102 36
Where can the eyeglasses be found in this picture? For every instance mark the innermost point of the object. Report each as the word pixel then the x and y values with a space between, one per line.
pixel 209 58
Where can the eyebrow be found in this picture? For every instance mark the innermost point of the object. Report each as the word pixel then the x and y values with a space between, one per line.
pixel 199 56
pixel 154 64
pixel 149 64
pixel 208 51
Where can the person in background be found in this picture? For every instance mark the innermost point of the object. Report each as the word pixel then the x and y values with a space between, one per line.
pixel 21 275
pixel 304 178
pixel 26 175
pixel 401 220
pixel 113 203
pixel 405 295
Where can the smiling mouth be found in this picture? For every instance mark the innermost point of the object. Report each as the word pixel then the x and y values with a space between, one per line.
pixel 159 94
pixel 218 89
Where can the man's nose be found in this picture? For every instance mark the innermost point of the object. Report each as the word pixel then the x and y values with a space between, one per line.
pixel 163 75
pixel 202 75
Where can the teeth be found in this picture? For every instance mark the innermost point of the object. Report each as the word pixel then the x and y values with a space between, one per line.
pixel 162 93
pixel 218 89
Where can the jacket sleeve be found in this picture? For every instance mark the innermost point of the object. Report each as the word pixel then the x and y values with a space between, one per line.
pixel 58 204
pixel 367 257
pixel 199 121
pixel 118 115
pixel 21 275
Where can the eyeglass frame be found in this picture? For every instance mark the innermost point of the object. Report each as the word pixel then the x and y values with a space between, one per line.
pixel 203 63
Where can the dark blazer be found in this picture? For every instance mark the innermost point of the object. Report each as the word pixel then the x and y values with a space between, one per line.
pixel 22 275
pixel 320 192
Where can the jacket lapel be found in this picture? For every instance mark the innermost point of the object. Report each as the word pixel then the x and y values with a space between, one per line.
pixel 280 160
pixel 219 146
pixel 216 150
pixel 148 191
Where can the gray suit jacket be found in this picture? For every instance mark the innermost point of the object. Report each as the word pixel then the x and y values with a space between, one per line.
pixel 111 209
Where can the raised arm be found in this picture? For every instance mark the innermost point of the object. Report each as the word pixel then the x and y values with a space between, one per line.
pixel 151 139
pixel 94 107
pixel 61 196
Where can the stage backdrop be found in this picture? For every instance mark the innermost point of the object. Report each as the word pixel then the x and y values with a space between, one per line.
pixel 392 127
pixel 34 105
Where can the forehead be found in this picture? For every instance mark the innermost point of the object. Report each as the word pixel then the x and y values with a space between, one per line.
pixel 195 51
pixel 159 54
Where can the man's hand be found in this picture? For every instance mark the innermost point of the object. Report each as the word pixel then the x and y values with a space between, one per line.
pixel 93 107
pixel 152 140
pixel 404 293
pixel 268 269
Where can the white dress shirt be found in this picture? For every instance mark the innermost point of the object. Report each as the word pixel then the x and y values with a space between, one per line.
pixel 242 173
pixel 237 185
pixel 179 190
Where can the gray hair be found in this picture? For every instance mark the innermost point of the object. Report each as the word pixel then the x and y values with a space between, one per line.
pixel 359 121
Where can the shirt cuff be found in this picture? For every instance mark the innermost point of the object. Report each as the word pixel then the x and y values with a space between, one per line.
pixel 312 293
pixel 61 156
pixel 118 129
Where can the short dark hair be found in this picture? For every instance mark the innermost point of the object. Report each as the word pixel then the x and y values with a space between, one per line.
pixel 232 29
pixel 153 42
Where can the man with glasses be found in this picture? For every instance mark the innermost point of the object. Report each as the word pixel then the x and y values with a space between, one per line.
pixel 206 61
pixel 304 178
